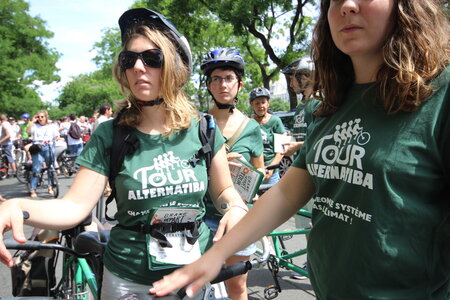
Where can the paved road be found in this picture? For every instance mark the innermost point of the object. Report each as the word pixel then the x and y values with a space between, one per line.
pixel 292 289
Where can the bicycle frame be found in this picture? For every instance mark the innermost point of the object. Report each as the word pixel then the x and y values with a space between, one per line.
pixel 84 279
pixel 282 258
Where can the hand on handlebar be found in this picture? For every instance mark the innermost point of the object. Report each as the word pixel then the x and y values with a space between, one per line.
pixel 196 275
pixel 11 217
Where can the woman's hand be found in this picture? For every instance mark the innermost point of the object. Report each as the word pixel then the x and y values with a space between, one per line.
pixel 269 174
pixel 197 274
pixel 231 156
pixel 11 217
pixel 229 219
pixel 291 147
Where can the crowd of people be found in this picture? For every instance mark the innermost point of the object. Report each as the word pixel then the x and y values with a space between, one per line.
pixel 381 210
pixel 43 139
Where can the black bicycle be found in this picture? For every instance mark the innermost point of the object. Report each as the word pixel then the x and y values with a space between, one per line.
pixel 45 176
pixel 4 165
pixel 66 163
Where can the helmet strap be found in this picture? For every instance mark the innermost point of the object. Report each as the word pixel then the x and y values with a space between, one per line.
pixel 230 107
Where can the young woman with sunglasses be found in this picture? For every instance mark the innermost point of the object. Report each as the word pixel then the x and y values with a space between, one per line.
pixel 44 134
pixel 157 184
pixel 376 160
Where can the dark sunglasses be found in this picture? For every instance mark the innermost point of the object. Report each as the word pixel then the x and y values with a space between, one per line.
pixel 152 58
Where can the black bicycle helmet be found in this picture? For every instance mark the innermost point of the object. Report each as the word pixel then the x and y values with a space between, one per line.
pixel 150 18
pixel 258 92
pixel 222 57
pixel 304 63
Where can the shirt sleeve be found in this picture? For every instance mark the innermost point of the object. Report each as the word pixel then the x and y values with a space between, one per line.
pixel 94 154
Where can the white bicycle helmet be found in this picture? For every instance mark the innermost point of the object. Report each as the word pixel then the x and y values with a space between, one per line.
pixel 304 63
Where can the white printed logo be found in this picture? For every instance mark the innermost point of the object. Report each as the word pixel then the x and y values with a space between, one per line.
pixel 169 175
pixel 340 155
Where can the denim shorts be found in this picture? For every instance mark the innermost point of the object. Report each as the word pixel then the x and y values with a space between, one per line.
pixel 7 150
pixel 213 224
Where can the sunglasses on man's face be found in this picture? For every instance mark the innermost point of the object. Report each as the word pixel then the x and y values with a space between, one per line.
pixel 151 58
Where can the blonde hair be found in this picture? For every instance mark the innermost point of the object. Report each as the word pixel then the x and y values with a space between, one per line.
pixel 415 53
pixel 45 113
pixel 174 75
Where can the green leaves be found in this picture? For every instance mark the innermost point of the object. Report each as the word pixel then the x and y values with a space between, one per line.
pixel 24 58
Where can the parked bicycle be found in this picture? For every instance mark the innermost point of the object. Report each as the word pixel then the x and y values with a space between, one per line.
pixel 81 263
pixel 82 266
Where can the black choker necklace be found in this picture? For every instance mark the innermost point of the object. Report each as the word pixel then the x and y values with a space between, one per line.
pixel 150 103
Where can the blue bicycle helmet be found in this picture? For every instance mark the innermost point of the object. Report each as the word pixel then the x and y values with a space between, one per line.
pixel 222 57
pixel 259 92
pixel 152 19
pixel 25 116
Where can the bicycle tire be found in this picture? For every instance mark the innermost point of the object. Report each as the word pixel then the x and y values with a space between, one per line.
pixel 22 174
pixel 4 168
pixel 55 183
pixel 64 164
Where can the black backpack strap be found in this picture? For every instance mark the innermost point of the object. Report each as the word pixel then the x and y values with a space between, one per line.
pixel 124 143
pixel 207 131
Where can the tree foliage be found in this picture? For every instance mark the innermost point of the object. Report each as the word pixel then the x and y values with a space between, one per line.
pixel 269 33
pixel 85 93
pixel 25 58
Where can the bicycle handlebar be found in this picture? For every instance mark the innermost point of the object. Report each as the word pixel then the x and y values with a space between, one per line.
pixel 224 274
pixel 35 245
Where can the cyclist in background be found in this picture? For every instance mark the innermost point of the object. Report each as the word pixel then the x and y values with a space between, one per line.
pixel 300 81
pixel 44 134
pixel 6 142
pixel 269 124
pixel 300 73
pixel 224 69
pixel 26 140
pixel 383 232
pixel 152 69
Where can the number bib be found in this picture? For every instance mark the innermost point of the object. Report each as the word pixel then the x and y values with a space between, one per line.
pixel 181 251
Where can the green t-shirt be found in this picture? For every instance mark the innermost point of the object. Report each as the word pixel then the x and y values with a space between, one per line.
pixel 248 144
pixel 381 213
pixel 274 125
pixel 303 118
pixel 156 175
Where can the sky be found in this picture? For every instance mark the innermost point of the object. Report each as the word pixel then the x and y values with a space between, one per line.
pixel 76 25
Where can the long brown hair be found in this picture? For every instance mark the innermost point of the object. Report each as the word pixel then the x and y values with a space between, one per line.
pixel 174 75
pixel 416 51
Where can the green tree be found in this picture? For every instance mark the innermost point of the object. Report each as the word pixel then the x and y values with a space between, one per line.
pixel 86 92
pixel 25 58
pixel 269 33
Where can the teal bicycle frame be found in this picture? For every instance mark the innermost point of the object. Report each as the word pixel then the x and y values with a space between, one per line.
pixel 83 278
pixel 282 256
